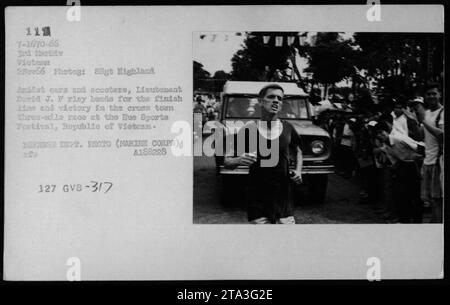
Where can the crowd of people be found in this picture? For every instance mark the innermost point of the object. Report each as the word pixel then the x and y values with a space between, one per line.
pixel 395 147
pixel 207 105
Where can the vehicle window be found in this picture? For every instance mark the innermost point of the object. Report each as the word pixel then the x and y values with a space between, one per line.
pixel 294 108
pixel 243 107
pixel 249 107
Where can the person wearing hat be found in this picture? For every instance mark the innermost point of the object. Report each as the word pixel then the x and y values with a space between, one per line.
pixel 417 100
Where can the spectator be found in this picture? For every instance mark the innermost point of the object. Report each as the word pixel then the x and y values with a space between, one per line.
pixel 264 77
pixel 336 129
pixel 347 148
pixel 400 123
pixel 432 121
pixel 211 115
pixel 389 174
pixel 403 154
pixel 367 170
pixel 379 174
pixel 200 108
pixel 347 104
pixel 277 76
pixel 385 181
pixel 405 122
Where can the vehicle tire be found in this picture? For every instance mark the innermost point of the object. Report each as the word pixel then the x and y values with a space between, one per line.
pixel 317 188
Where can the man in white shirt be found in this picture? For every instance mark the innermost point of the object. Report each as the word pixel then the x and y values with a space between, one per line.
pixel 432 121
pixel 400 122
pixel 405 122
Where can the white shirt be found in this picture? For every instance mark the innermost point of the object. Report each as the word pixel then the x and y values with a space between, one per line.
pixel 400 123
pixel 405 138
pixel 347 140
pixel 431 143
pixel 399 149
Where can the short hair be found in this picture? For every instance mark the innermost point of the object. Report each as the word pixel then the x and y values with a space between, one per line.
pixel 382 126
pixel 264 89
pixel 430 86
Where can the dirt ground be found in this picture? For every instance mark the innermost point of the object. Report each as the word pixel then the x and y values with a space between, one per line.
pixel 342 203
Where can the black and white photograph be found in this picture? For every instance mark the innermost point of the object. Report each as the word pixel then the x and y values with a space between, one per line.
pixel 160 143
pixel 359 118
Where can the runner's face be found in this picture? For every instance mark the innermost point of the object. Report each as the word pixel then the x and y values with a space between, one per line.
pixel 273 101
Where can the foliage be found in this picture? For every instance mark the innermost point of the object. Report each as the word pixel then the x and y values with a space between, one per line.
pixel 258 61
pixel 331 58
pixel 394 62
pixel 200 74
pixel 401 61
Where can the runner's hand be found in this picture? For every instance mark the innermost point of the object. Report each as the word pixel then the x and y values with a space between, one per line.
pixel 297 177
pixel 247 159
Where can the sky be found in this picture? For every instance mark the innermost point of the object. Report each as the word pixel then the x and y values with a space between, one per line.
pixel 216 49
pixel 215 53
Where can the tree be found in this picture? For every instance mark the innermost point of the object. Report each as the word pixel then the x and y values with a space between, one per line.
pixel 258 61
pixel 404 63
pixel 200 75
pixel 331 58
pixel 218 80
pixel 221 75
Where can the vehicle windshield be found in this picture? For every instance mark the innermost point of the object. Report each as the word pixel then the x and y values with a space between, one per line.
pixel 248 107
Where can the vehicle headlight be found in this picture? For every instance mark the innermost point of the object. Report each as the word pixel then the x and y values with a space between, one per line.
pixel 317 147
